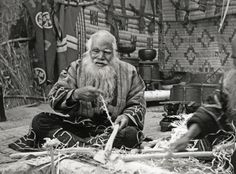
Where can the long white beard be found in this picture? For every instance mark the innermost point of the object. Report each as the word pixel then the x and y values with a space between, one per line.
pixel 102 78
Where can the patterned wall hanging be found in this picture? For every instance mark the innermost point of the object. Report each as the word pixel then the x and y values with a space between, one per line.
pixel 190 55
pixel 176 40
pixel 206 38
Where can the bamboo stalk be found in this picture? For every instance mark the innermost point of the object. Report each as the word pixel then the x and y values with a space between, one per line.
pixel 127 158
pixel 25 97
pixel 152 150
pixel 15 40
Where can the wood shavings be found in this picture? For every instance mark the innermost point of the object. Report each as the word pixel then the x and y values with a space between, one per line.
pixel 223 152
pixel 180 128
pixel 104 107
pixel 51 143
pixel 185 165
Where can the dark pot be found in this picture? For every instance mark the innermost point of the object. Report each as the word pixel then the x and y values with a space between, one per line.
pixel 126 48
pixel 147 54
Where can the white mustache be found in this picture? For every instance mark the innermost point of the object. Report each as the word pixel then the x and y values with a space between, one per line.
pixel 101 62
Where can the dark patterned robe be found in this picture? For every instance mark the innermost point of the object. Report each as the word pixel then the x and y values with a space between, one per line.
pixel 128 95
pixel 213 119
pixel 85 123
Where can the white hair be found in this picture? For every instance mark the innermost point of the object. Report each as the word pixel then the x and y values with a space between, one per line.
pixel 101 78
pixel 104 34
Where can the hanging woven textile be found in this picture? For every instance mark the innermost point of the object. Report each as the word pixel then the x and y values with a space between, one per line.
pixel 71 36
pixel 44 40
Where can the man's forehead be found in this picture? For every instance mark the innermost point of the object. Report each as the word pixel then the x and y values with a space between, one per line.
pixel 102 43
pixel 102 40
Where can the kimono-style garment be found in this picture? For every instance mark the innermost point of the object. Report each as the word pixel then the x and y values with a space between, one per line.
pixel 213 119
pixel 44 38
pixel 85 123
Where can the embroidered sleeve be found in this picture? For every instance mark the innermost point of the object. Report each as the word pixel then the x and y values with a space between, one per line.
pixel 136 104
pixel 60 94
pixel 211 116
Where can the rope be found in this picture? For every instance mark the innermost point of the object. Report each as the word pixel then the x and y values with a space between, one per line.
pixel 225 13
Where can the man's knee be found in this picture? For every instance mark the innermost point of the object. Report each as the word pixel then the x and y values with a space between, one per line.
pixel 43 122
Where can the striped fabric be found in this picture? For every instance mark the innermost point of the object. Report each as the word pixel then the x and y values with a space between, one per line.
pixel 71 43
pixel 129 94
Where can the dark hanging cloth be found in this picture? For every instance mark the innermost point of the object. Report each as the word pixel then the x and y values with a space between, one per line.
pixel 71 36
pixel 59 37
pixel 44 40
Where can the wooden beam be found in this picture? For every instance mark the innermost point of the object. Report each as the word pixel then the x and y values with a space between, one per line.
pixel 161 46
pixel 2 110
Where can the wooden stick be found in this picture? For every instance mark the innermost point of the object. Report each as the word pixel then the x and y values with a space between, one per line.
pixel 110 141
pixel 103 155
pixel 25 97
pixel 152 150
pixel 77 3
pixel 15 40
pixel 65 150
pixel 166 155
pixel 52 160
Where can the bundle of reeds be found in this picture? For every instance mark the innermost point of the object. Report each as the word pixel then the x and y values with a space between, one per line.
pixel 16 72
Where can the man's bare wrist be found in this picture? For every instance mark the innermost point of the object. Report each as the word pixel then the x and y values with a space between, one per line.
pixel 73 97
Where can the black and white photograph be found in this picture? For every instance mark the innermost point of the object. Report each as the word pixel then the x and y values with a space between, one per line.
pixel 117 86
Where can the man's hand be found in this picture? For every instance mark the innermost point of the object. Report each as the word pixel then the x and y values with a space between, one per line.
pixel 180 144
pixel 122 120
pixel 87 93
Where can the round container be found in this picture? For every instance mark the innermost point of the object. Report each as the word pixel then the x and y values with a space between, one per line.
pixel 147 54
pixel 126 48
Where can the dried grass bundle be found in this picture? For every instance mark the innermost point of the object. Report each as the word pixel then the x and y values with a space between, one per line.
pixel 16 73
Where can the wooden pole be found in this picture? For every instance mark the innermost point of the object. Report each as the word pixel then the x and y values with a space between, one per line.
pixel 161 50
pixel 135 157
pixel 2 110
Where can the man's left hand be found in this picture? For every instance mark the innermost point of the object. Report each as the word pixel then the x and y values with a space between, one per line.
pixel 122 120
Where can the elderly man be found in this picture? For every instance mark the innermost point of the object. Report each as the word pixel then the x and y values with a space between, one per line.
pixel 81 92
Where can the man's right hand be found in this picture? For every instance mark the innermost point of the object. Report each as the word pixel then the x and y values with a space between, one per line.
pixel 183 141
pixel 180 144
pixel 87 93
